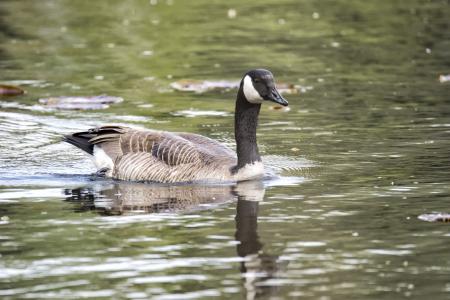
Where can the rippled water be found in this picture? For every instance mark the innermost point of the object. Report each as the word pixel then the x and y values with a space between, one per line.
pixel 363 151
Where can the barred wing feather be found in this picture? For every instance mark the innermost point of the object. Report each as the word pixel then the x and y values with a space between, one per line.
pixel 162 156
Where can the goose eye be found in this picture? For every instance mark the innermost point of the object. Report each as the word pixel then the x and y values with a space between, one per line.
pixel 256 80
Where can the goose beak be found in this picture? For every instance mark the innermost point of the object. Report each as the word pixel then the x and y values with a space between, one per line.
pixel 275 96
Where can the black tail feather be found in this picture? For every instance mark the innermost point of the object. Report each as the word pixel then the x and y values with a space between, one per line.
pixel 81 140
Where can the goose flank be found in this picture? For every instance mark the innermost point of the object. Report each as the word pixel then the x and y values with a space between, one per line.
pixel 148 155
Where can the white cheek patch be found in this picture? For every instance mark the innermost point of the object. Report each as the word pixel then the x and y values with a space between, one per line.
pixel 251 94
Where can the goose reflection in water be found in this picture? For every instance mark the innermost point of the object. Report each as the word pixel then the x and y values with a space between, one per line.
pixel 131 198
pixel 257 267
pixel 123 198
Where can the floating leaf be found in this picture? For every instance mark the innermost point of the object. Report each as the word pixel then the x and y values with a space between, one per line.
pixel 280 108
pixel 80 102
pixel 10 90
pixel 444 78
pixel 435 217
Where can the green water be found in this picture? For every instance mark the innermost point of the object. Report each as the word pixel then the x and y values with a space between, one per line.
pixel 372 130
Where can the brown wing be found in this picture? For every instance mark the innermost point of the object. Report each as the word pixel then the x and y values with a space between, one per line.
pixel 208 144
pixel 161 156
pixel 171 148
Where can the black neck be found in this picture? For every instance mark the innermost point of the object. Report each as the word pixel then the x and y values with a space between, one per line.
pixel 245 123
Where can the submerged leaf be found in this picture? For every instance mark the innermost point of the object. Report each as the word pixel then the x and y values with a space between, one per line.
pixel 199 86
pixel 80 102
pixel 202 86
pixel 10 90
pixel 287 88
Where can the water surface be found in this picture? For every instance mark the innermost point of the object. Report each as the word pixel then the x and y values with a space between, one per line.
pixel 363 151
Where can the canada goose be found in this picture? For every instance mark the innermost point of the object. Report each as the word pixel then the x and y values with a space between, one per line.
pixel 148 155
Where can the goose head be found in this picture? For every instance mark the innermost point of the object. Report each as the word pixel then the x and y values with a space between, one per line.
pixel 258 85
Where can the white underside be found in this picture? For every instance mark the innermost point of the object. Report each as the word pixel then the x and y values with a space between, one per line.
pixel 250 171
pixel 102 160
